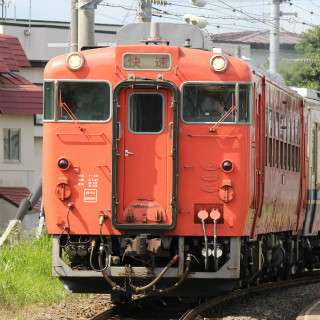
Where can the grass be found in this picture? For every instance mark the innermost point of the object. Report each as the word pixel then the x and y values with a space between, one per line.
pixel 25 276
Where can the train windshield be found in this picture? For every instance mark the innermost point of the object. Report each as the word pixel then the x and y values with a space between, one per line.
pixel 209 102
pixel 83 100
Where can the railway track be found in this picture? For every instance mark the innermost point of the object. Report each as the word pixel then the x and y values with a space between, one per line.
pixel 157 308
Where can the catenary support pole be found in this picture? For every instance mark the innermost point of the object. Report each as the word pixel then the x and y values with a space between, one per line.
pixel 274 36
pixel 74 26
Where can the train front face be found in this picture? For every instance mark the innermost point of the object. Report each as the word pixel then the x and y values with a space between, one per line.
pixel 147 159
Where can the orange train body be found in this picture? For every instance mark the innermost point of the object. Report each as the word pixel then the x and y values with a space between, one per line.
pixel 133 159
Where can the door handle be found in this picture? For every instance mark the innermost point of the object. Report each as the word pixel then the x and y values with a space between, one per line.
pixel 119 130
pixel 170 130
pixel 127 153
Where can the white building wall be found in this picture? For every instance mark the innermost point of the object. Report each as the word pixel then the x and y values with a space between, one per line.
pixel 7 212
pixel 21 174
pixel 37 164
pixel 34 74
pixel 46 40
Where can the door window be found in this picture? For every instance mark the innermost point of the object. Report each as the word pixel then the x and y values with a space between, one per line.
pixel 146 113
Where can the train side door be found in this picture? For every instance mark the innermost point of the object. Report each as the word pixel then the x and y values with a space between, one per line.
pixel 144 186
pixel 259 155
pixel 313 211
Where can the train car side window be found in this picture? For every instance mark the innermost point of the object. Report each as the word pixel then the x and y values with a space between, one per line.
pixel 298 145
pixel 277 140
pixel 293 144
pixel 267 136
pixel 271 137
pixel 289 142
pixel 294 158
pixel 209 102
pixel 285 140
pixel 146 113
pixel 48 101
pixel 282 141
pixel 317 162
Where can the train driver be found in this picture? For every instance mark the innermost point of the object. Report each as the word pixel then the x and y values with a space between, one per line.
pixel 214 108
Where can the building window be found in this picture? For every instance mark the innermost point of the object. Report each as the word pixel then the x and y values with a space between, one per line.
pixel 38 119
pixel 11 144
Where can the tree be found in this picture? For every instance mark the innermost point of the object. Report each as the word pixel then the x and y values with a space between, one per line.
pixel 293 72
pixel 306 72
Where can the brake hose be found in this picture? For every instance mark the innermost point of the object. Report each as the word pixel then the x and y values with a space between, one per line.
pixel 180 280
pixel 154 281
pixel 112 284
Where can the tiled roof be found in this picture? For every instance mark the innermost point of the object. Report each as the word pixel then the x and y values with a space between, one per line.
pixel 12 53
pixel 256 37
pixel 15 195
pixel 17 94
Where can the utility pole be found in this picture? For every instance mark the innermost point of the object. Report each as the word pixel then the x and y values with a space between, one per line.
pixel 74 26
pixel 86 22
pixel 275 15
pixel 274 36
pixel 144 11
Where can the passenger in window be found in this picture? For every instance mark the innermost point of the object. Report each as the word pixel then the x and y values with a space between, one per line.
pixel 214 108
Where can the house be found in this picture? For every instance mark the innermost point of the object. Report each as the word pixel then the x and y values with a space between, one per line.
pixel 43 40
pixel 20 101
pixel 259 42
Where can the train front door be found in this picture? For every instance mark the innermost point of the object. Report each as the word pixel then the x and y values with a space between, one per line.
pixel 144 177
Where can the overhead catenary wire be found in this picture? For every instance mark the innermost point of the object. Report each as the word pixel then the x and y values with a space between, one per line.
pixel 239 13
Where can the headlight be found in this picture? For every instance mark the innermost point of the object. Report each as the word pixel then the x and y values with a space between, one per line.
pixel 75 61
pixel 218 63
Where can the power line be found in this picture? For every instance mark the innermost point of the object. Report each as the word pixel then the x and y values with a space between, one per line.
pixel 234 11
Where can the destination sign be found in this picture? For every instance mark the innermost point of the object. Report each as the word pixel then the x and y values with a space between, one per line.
pixel 146 61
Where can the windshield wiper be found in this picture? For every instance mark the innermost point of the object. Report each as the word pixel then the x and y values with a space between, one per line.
pixel 64 106
pixel 224 117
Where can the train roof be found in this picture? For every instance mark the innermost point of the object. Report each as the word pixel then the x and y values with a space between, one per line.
pixel 176 34
pixel 308 93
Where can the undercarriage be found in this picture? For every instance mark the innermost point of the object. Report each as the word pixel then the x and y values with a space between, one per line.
pixel 155 265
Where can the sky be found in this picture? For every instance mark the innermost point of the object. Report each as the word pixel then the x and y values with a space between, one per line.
pixel 222 15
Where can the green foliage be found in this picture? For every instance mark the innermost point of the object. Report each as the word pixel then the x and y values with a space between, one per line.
pixel 306 73
pixel 25 275
pixel 309 45
pixel 292 71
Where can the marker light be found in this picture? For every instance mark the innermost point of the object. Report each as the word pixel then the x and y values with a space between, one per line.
pixel 227 166
pixel 218 63
pixel 63 164
pixel 75 61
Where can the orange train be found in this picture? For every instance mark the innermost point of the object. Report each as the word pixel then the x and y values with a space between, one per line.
pixel 172 168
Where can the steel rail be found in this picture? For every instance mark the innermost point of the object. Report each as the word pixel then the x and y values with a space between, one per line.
pixel 191 314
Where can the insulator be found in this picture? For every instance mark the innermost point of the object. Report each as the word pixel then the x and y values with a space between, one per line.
pixel 200 22
pixel 158 2
pixel 198 3
pixel 187 18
